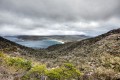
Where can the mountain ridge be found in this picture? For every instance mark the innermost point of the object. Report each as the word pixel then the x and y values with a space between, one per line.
pixel 90 40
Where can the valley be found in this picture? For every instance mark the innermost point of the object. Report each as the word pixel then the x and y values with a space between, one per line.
pixel 96 58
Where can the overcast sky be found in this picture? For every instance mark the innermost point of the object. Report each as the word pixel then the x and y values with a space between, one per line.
pixel 58 17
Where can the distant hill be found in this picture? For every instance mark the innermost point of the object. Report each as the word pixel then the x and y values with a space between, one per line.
pixel 64 38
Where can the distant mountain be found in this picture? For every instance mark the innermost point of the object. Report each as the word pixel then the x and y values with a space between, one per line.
pixel 64 38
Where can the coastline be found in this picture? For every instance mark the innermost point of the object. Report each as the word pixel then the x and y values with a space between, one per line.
pixel 61 41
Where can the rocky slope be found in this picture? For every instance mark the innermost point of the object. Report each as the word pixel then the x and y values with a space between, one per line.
pixel 98 54
pixel 97 58
pixel 101 40
pixel 105 43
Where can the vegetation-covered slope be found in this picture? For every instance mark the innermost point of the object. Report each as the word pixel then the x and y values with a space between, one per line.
pixel 16 68
pixel 97 58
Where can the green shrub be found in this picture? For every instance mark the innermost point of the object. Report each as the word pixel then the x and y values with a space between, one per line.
pixel 67 71
pixel 1 55
pixel 18 63
pixel 2 58
pixel 55 74
pixel 70 71
pixel 35 73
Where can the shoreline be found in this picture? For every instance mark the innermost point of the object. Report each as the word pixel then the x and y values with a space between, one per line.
pixel 61 41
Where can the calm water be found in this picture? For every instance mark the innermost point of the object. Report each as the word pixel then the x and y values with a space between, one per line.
pixel 34 44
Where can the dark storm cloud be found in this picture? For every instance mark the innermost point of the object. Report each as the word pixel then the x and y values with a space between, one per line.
pixel 58 16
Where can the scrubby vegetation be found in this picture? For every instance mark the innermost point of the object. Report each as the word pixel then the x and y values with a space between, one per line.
pixel 29 70
pixel 107 68
pixel 90 59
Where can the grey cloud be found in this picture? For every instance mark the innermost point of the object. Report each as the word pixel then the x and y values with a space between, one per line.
pixel 47 17
pixel 63 9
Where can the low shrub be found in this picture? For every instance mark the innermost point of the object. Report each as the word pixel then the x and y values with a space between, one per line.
pixel 18 63
pixel 35 73
pixel 67 71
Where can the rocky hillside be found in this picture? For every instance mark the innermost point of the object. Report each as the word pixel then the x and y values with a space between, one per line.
pixel 100 54
pixel 105 43
pixel 96 58
pixel 101 40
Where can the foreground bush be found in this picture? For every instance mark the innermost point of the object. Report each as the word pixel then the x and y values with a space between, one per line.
pixel 37 72
pixel 67 71
pixel 23 69
pixel 18 63
pixel 15 62
pixel 33 71
pixel 40 72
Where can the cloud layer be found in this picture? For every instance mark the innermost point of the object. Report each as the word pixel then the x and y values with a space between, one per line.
pixel 58 17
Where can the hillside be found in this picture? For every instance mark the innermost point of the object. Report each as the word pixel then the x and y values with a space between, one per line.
pixel 88 50
pixel 98 53
pixel 15 49
pixel 10 47
pixel 97 58
pixel 85 42
pixel 17 68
